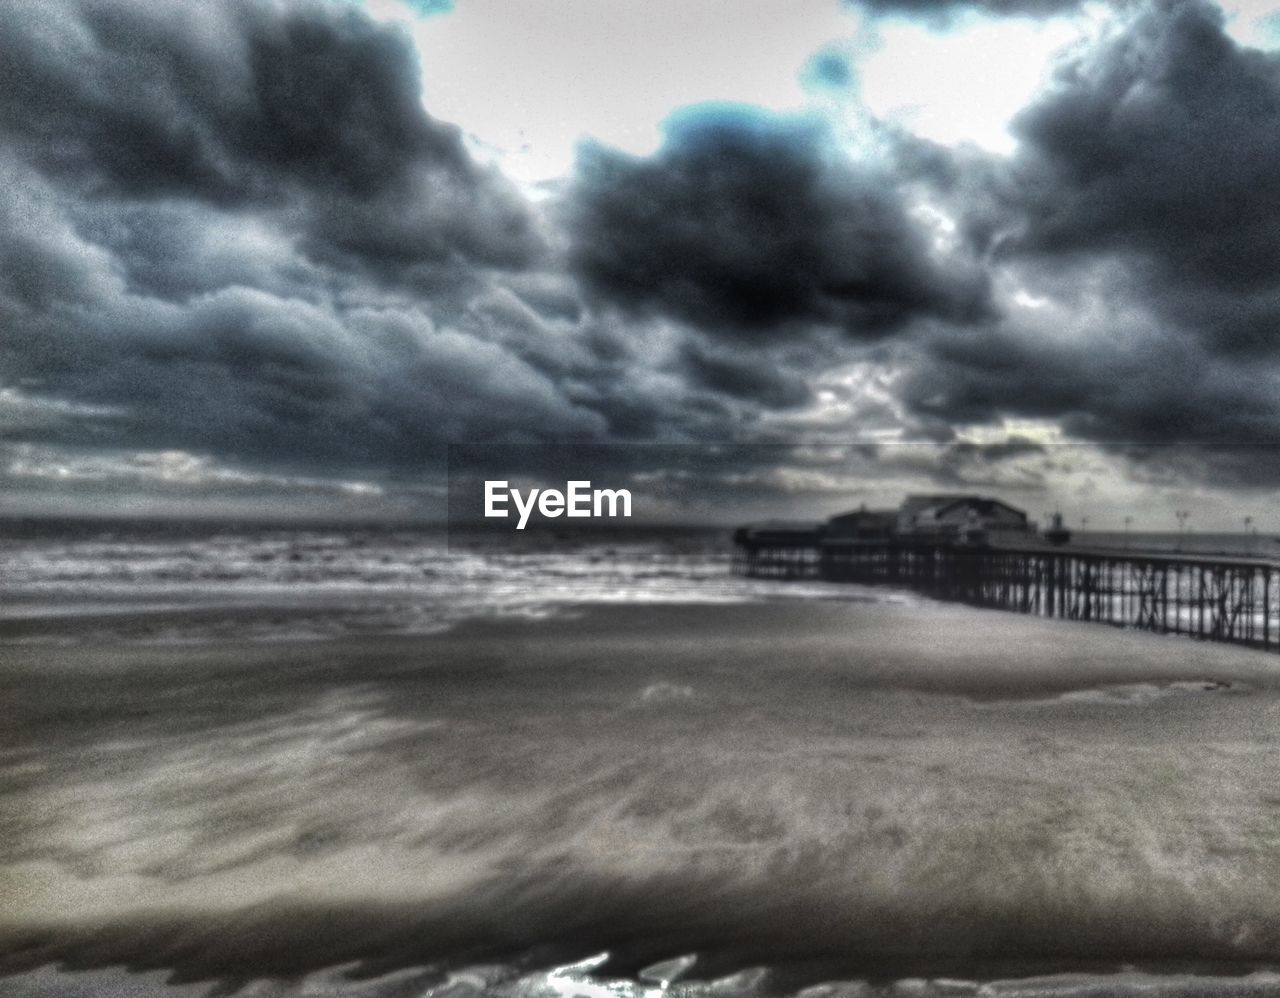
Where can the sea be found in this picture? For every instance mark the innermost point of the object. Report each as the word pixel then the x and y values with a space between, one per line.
pixel 271 760
pixel 172 581
pixel 175 581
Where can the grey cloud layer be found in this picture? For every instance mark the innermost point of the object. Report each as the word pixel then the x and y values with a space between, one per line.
pixel 1160 147
pixel 235 224
pixel 310 110
pixel 745 223
pixel 1144 196
pixel 231 229
pixel 234 228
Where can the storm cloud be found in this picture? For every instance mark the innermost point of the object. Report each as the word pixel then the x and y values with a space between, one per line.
pixel 238 251
pixel 306 109
pixel 235 227
pixel 1142 212
pixel 1160 147
pixel 747 224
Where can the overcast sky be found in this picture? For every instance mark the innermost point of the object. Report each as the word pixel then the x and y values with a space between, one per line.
pixel 270 257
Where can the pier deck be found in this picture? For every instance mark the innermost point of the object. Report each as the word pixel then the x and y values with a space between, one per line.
pixel 1235 600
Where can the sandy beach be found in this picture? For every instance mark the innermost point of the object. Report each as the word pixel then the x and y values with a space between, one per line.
pixel 859 791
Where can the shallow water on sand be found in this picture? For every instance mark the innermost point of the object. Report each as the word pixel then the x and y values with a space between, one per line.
pixel 915 798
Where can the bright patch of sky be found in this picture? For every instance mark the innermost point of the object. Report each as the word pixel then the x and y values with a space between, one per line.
pixel 1253 22
pixel 964 83
pixel 529 80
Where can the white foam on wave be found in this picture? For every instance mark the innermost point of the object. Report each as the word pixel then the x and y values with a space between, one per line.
pixel 324 584
pixel 589 979
pixel 1128 694
pixel 664 692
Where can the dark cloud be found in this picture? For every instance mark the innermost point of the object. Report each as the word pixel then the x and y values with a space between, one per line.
pixel 309 109
pixel 232 228
pixel 231 235
pixel 1112 383
pixel 231 231
pixel 759 378
pixel 1159 147
pixel 976 188
pixel 175 250
pixel 745 223
pixel 1144 203
pixel 249 377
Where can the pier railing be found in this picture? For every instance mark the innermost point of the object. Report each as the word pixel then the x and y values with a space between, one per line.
pixel 1217 599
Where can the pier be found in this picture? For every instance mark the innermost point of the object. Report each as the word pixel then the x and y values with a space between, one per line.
pixel 1233 600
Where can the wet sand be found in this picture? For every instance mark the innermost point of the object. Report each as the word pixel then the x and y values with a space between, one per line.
pixel 831 791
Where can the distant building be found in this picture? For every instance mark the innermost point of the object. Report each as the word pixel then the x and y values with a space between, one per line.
pixel 967 519
pixel 960 517
pixel 864 524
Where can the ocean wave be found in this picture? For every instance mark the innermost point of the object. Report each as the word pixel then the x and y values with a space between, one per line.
pixel 1129 694
pixel 325 584
pixel 582 980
